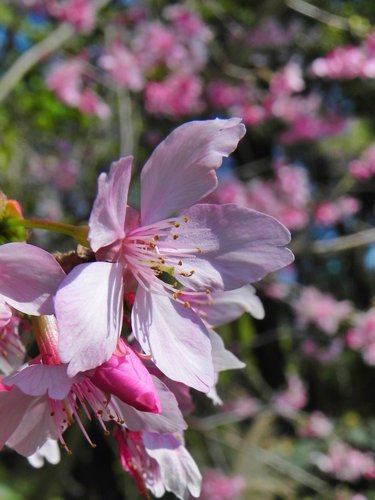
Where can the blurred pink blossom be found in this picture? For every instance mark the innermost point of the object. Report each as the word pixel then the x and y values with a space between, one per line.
pixel 286 197
pixel 287 80
pixel 218 486
pixel 320 309
pixel 123 66
pixel 362 335
pixel 291 108
pixel 364 167
pixel 347 62
pixel 331 212
pixel 80 13
pixel 322 354
pixel 223 95
pixel 341 63
pixel 345 463
pixel 276 290
pixel 157 44
pixel 292 399
pixel 91 104
pixel 176 96
pixel 65 79
pixel 316 426
pixel 251 113
pixel 187 22
pixel 310 128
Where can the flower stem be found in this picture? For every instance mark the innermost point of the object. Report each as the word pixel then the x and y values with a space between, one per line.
pixel 45 331
pixel 79 233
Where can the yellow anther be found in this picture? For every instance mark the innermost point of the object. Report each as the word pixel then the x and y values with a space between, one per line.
pixel 187 274
pixel 152 244
pixel 186 304
pixel 199 250
pixel 174 295
pixel 176 224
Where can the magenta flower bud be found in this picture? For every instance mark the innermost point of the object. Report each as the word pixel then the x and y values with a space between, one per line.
pixel 127 378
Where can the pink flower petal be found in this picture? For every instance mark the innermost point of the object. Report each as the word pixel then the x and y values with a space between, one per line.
pixel 5 313
pixel 107 219
pixel 181 170
pixel 29 277
pixel 89 313
pixel 13 406
pixel 35 428
pixel 237 246
pixel 175 337
pixel 49 451
pixel 179 473
pixel 222 358
pixel 224 307
pixel 36 380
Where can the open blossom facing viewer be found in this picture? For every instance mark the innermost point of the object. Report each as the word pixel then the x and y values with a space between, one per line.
pixel 168 252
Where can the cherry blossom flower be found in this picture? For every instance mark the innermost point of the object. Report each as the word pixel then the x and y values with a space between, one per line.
pixel 203 249
pixel 43 389
pixel 321 310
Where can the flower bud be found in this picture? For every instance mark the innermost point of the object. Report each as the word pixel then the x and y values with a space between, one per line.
pixel 127 378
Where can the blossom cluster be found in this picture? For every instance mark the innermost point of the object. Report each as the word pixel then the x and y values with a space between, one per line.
pixel 124 326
